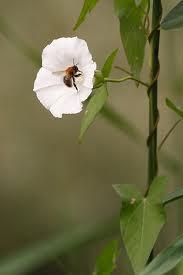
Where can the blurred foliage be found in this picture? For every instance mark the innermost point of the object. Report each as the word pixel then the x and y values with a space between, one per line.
pixel 30 258
pixel 106 261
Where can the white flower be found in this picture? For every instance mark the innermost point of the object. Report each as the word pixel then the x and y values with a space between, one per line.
pixel 65 79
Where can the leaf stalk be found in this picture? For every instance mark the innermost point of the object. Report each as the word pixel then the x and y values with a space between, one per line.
pixel 118 80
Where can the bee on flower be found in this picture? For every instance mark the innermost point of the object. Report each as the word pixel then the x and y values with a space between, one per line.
pixel 65 79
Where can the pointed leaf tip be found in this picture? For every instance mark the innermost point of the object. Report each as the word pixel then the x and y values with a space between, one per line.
pixel 94 106
pixel 107 67
pixel 176 109
pixel 88 5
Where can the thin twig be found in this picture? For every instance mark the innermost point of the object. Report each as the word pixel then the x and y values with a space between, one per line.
pixel 167 135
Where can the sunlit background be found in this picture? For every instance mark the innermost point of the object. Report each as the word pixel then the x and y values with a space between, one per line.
pixel 49 182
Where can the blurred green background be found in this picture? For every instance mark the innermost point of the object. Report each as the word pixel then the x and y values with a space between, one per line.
pixel 50 183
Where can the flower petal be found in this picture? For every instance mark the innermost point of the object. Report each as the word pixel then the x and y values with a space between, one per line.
pixel 46 78
pixel 49 95
pixel 67 104
pixel 88 72
pixel 65 52
pixel 82 54
pixel 84 92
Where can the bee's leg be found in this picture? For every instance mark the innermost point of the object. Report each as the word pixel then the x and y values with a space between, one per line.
pixel 77 75
pixel 74 83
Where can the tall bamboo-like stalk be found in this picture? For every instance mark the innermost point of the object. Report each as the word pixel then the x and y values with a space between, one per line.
pixel 153 91
pixel 154 39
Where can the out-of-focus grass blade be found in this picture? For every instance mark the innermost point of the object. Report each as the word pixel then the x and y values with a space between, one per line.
pixel 20 44
pixel 167 259
pixel 176 109
pixel 88 5
pixel 122 123
pixel 174 19
pixel 30 258
pixel 171 163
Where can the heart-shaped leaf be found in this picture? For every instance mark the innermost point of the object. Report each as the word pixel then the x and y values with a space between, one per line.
pixel 141 220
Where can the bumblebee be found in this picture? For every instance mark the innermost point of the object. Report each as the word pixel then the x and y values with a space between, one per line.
pixel 70 74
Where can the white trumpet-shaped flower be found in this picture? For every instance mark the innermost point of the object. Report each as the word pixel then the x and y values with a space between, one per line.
pixel 65 79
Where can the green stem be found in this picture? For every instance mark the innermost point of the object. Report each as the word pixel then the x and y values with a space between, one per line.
pixel 125 79
pixel 153 95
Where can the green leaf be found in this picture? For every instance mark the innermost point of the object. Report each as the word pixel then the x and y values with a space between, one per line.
pixel 40 253
pixel 106 261
pixel 107 67
pixel 167 259
pixel 133 33
pixel 127 192
pixel 88 5
pixel 99 98
pixel 157 190
pixel 174 19
pixel 178 194
pixel 141 221
pixel 172 106
pixel 94 106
